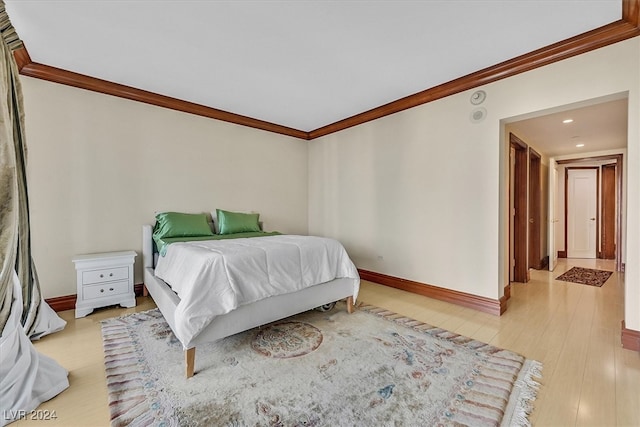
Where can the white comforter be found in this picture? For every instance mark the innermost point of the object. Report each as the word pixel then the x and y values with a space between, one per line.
pixel 213 277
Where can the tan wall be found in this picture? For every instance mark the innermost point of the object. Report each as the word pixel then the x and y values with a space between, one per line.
pixel 100 166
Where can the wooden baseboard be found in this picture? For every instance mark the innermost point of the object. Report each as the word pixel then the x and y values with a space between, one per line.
pixel 630 338
pixel 138 289
pixel 544 263
pixel 68 302
pixel 487 305
pixel 507 291
pixel 562 254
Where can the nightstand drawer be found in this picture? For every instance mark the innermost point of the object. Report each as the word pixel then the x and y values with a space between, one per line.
pixel 105 275
pixel 106 290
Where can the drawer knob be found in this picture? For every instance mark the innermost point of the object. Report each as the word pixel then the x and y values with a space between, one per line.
pixel 110 274
pixel 101 276
pixel 101 290
pixel 110 289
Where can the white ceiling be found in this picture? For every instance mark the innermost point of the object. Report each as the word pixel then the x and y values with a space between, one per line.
pixel 301 64
pixel 599 125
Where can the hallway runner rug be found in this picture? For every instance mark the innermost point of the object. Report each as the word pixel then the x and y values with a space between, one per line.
pixel 585 276
pixel 372 367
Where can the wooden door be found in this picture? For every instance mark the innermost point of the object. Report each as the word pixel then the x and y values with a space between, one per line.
pixel 581 212
pixel 535 259
pixel 518 232
pixel 608 212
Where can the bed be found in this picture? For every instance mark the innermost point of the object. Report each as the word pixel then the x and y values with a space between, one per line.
pixel 195 320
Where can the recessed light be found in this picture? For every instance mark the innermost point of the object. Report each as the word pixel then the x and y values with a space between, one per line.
pixel 567 121
pixel 579 145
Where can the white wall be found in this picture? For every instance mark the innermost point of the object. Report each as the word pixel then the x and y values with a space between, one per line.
pixel 100 166
pixel 421 194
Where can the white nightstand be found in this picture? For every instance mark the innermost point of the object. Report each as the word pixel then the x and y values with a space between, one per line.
pixel 104 279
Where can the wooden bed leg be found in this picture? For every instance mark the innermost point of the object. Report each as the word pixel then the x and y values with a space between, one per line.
pixel 349 305
pixel 190 361
pixel 145 291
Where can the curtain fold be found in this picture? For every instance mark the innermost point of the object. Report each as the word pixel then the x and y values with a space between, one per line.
pixel 37 317
pixel 27 378
pixel 8 208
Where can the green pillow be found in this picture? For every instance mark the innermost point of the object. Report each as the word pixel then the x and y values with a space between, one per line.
pixel 236 222
pixel 176 224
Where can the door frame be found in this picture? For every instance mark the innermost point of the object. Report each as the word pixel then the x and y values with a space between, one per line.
pixel 535 194
pixel 619 191
pixel 521 267
pixel 608 220
pixel 552 204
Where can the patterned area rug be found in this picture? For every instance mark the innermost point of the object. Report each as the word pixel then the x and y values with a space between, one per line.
pixel 585 276
pixel 372 367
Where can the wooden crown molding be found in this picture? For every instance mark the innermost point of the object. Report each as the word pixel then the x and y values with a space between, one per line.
pixel 631 12
pixel 69 78
pixel 627 27
pixel 22 57
pixel 586 42
pixel 486 305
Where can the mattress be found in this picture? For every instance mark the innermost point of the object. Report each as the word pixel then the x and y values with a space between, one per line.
pixel 214 277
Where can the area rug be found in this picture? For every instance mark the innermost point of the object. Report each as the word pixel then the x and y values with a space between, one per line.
pixel 372 367
pixel 585 276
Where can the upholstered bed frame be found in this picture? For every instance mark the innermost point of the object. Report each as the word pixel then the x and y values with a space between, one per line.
pixel 244 317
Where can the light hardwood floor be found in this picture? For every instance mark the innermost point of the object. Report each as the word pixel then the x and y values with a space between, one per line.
pixel 574 330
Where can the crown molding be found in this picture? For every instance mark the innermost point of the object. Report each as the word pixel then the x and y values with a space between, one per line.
pixel 22 57
pixel 626 28
pixel 583 43
pixel 631 12
pixel 69 78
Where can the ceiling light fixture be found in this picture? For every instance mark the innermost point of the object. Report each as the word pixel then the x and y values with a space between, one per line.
pixel 579 145
pixel 567 121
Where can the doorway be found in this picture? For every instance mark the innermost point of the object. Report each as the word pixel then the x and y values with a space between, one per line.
pixel 560 142
pixel 609 212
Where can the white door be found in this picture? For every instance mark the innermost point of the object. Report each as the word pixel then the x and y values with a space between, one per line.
pixel 581 213
pixel 553 213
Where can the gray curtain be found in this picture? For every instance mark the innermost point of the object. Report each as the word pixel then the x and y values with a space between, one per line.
pixel 8 184
pixel 15 237
pixel 27 378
